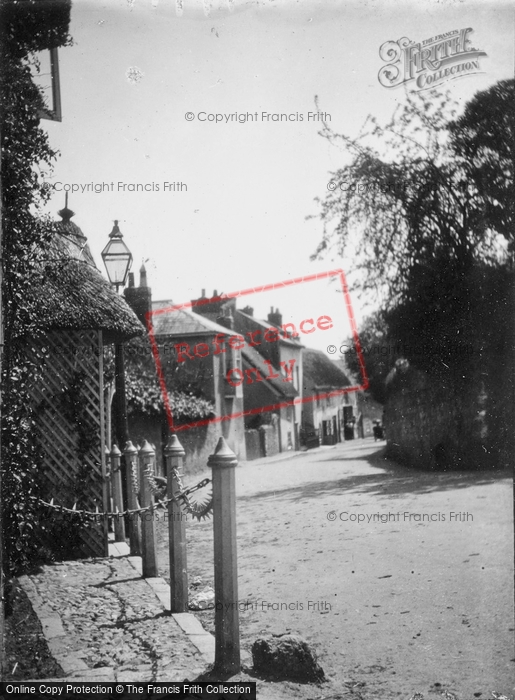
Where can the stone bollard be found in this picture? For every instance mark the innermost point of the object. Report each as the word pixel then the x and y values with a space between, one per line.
pixel 174 453
pixel 131 466
pixel 147 458
pixel 227 624
pixel 116 485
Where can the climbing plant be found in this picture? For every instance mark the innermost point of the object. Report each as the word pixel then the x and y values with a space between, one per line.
pixel 27 158
pixel 144 395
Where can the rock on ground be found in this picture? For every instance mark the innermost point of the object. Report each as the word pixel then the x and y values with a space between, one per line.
pixel 287 657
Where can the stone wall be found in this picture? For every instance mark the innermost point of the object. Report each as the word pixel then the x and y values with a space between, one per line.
pixel 253 444
pixel 446 422
pixel 270 439
pixel 198 443
pixel 462 417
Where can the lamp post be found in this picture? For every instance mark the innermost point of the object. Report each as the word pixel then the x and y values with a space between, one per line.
pixel 117 260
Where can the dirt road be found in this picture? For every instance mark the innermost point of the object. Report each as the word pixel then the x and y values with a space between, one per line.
pixel 401 579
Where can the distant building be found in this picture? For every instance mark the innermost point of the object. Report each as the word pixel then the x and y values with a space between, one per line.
pixel 200 352
pixel 368 409
pixel 272 375
pixel 283 355
pixel 327 419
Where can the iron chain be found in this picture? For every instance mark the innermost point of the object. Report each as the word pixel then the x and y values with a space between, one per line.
pixel 196 510
pixel 181 498
pixel 134 475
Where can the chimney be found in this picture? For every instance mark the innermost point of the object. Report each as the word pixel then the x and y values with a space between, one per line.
pixel 143 276
pixel 139 298
pixel 227 319
pixel 248 310
pixel 275 318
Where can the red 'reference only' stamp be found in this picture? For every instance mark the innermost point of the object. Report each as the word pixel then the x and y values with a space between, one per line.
pixel 215 348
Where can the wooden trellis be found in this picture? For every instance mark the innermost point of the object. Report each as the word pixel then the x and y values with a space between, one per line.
pixel 68 400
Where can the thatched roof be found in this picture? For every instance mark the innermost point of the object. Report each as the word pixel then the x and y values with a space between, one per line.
pixel 73 295
pixel 321 373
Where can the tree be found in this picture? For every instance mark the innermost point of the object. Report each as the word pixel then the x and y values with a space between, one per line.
pixel 379 354
pixel 406 200
pixel 414 211
pixel 484 138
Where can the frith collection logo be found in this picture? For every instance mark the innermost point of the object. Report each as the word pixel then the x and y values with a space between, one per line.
pixel 429 63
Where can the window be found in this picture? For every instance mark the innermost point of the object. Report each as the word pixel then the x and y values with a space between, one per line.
pixel 47 79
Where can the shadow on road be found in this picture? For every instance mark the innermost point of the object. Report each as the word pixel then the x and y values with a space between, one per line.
pixel 388 478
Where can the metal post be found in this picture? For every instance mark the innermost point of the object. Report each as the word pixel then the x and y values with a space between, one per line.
pixel 131 466
pixel 108 485
pixel 104 527
pixel 121 423
pixel 116 483
pixel 174 453
pixel 148 532
pixel 227 625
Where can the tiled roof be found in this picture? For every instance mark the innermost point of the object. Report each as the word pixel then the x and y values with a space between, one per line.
pixel 244 323
pixel 255 359
pixel 181 322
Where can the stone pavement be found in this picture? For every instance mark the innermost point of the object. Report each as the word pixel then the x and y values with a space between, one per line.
pixel 103 621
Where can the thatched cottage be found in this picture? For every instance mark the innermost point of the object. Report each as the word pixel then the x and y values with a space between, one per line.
pixel 80 314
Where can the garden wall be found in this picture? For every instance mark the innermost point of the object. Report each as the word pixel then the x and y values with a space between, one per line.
pixel 431 422
pixel 253 444
pixel 270 443
pixel 456 420
pixel 198 443
pixel 462 414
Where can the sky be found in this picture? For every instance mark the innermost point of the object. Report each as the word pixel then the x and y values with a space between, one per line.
pixel 138 67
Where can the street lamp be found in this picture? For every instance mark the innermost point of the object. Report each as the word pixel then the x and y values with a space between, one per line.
pixel 117 258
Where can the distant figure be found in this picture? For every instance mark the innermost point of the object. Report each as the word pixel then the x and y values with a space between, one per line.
pixel 378 431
